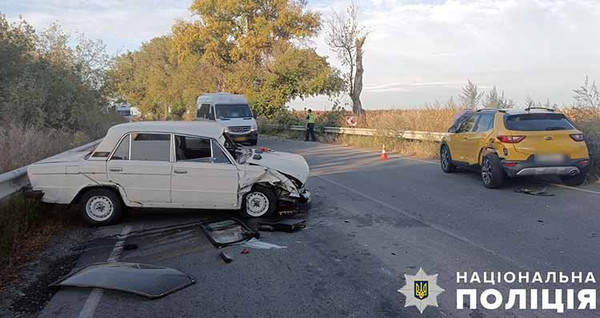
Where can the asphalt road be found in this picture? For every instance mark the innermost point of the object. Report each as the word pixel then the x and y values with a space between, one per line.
pixel 370 223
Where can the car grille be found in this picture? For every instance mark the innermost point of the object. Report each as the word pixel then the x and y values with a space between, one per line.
pixel 238 129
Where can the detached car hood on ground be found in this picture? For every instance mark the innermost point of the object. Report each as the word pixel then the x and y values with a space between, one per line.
pixel 284 162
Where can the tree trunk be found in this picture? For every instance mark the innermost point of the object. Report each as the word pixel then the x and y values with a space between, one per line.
pixel 358 77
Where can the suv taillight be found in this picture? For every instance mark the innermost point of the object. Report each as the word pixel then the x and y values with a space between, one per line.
pixel 511 139
pixel 577 137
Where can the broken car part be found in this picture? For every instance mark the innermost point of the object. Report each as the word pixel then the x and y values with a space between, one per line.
pixel 141 279
pixel 285 225
pixel 227 231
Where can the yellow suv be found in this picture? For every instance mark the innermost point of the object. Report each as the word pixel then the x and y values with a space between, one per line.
pixel 513 143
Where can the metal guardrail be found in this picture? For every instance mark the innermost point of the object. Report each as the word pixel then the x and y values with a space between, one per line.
pixel 13 181
pixel 407 134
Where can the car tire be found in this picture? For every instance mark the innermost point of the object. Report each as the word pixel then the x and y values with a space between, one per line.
pixel 575 180
pixel 446 160
pixel 253 142
pixel 259 202
pixel 100 207
pixel 492 174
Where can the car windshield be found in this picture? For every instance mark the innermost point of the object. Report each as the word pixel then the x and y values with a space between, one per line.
pixel 537 122
pixel 233 111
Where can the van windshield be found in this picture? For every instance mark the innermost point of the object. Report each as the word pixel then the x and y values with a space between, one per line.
pixel 233 111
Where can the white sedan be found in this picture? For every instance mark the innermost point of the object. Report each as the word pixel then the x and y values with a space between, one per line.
pixel 170 165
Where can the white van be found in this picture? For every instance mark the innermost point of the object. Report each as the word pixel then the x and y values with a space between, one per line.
pixel 233 112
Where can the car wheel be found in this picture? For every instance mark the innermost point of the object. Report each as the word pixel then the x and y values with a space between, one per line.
pixel 575 180
pixel 100 207
pixel 253 142
pixel 259 202
pixel 492 174
pixel 446 160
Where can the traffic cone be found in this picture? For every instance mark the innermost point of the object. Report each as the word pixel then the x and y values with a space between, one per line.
pixel 383 154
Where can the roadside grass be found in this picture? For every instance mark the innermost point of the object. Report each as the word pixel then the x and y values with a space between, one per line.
pixel 26 228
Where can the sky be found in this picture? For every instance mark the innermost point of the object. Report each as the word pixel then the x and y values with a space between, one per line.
pixel 417 52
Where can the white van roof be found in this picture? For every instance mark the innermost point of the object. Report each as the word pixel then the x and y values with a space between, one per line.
pixel 221 98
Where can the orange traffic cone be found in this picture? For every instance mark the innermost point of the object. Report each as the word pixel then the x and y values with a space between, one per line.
pixel 383 154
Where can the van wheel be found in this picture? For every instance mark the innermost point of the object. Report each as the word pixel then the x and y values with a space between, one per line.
pixel 492 174
pixel 259 202
pixel 100 207
pixel 446 160
pixel 575 180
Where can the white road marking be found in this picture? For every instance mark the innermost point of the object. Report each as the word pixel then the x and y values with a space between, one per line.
pixel 574 188
pixel 89 308
pixel 431 225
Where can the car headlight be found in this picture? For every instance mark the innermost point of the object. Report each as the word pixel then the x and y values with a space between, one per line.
pixel 254 128
pixel 226 129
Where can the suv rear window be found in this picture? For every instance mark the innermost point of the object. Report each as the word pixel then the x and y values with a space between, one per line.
pixel 537 122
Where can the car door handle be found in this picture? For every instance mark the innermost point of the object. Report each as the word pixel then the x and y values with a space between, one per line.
pixel 116 169
pixel 180 171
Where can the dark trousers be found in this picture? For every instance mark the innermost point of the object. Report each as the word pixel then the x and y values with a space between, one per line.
pixel 310 130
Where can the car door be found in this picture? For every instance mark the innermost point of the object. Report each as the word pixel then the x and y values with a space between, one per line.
pixel 141 165
pixel 203 175
pixel 459 147
pixel 477 138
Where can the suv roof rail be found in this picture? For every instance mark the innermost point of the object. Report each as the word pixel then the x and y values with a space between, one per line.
pixel 539 107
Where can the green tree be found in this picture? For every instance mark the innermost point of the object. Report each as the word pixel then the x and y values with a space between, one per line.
pixel 243 47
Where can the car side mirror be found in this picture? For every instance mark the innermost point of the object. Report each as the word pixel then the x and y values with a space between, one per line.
pixel 211 116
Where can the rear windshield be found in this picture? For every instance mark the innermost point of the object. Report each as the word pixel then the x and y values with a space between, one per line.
pixel 233 111
pixel 537 122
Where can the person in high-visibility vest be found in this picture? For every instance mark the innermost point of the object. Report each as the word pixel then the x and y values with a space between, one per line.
pixel 310 126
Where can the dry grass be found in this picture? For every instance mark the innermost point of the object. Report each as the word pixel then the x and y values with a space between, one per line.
pixel 428 119
pixel 26 227
pixel 21 146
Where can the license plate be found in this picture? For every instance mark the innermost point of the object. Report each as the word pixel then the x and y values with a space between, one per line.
pixel 241 138
pixel 555 158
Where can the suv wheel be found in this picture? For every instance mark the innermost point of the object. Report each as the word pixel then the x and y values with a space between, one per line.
pixel 492 174
pixel 100 207
pixel 575 180
pixel 259 202
pixel 446 160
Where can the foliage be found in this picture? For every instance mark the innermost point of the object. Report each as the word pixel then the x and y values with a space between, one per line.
pixel 495 100
pixel 45 83
pixel 470 96
pixel 244 47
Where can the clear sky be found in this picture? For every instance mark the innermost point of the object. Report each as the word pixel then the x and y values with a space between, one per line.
pixel 417 51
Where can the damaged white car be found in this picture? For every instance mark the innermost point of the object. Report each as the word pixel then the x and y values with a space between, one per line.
pixel 190 165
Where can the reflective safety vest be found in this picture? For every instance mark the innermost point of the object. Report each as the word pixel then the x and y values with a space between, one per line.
pixel 311 118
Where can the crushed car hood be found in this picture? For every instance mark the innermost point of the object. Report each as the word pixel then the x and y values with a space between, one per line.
pixel 287 163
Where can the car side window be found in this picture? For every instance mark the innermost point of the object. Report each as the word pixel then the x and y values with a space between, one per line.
pixel 150 147
pixel 194 149
pixel 467 126
pixel 485 123
pixel 218 155
pixel 122 152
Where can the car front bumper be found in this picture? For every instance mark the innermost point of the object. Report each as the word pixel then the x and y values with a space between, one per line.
pixel 243 137
pixel 570 167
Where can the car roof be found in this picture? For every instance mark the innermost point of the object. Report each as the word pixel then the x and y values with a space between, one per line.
pixel 222 98
pixel 197 128
pixel 519 111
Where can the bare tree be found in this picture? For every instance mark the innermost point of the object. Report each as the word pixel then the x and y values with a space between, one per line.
pixel 346 38
pixel 470 96
pixel 587 95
